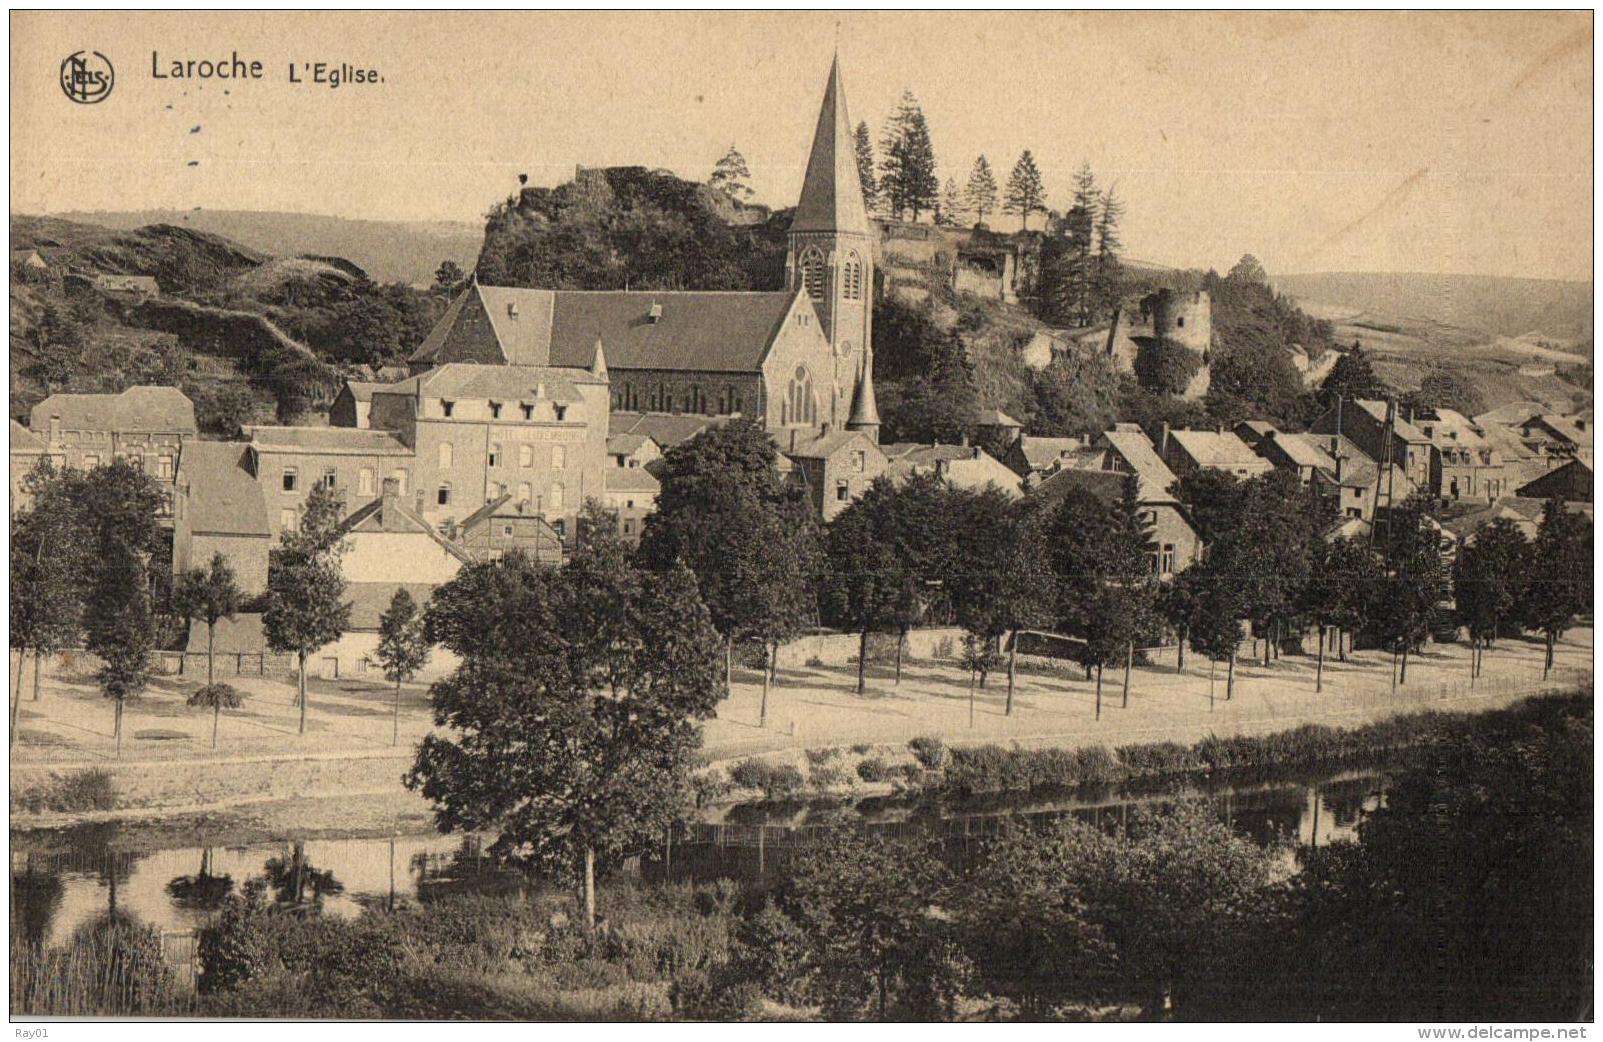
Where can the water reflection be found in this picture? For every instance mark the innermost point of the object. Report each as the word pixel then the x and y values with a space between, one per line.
pixel 296 881
pixel 203 891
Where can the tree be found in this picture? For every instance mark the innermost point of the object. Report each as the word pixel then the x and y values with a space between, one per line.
pixel 1559 583
pixel 449 276
pixel 721 498
pixel 730 176
pixel 1248 269
pixel 1107 275
pixel 1341 581
pixel 211 595
pixel 1352 377
pixel 907 168
pixel 981 190
pixel 865 166
pixel 306 608
pixel 1215 623
pixel 1025 192
pixel 575 755
pixel 876 948
pixel 779 600
pixel 57 342
pixel 50 566
pixel 1001 587
pixel 1488 582
pixel 1068 262
pixel 950 212
pixel 1176 604
pixel 867 583
pixel 403 648
pixel 120 628
pixel 1105 596
pixel 1414 583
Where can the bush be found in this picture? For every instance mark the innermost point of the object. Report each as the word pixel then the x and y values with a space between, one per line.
pixel 874 769
pixel 80 791
pixel 776 782
pixel 826 778
pixel 819 757
pixel 929 751
pixel 715 997
pixel 708 787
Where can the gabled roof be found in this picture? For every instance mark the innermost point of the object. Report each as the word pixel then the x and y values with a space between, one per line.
pixel 995 418
pixel 630 479
pixel 832 193
pixel 1217 449
pixel 1447 427
pixel 962 466
pixel 23 443
pixel 1152 474
pixel 1106 485
pixel 918 452
pixel 362 390
pixel 1040 453
pixel 1377 410
pixel 341 441
pixel 376 516
pixel 693 331
pixel 1304 450
pixel 627 444
pixel 826 445
pixel 510 382
pixel 1506 415
pixel 223 497
pixel 1562 427
pixel 1571 482
pixel 144 409
pixel 666 429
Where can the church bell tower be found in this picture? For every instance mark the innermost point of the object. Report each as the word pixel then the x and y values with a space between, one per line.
pixel 831 257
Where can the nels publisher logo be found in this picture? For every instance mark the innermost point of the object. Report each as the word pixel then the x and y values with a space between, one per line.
pixel 86 77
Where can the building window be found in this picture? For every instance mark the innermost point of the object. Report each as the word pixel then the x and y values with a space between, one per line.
pixel 506 530
pixel 525 492
pixel 399 474
pixel 364 481
pixel 495 453
pixel 561 411
pixel 525 455
pixel 528 410
pixel 446 454
pixel 330 477
pixel 859 460
pixel 853 278
pixel 560 527
pixel 292 479
pixel 559 457
pixel 443 496
pixel 495 410
pixel 799 405
pixel 91 460
pixel 812 269
pixel 843 491
pixel 557 494
pixel 1166 567
pixel 164 466
pixel 628 528
pixel 287 519
pixel 446 407
pixel 362 664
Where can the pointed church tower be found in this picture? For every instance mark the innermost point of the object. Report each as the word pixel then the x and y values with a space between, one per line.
pixel 831 252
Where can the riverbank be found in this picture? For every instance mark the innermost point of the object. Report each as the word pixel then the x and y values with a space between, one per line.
pixel 346 778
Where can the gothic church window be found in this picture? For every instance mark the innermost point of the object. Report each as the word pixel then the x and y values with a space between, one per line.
pixel 853 278
pixel 799 405
pixel 812 266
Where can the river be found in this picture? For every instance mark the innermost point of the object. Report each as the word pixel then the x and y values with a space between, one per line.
pixel 64 879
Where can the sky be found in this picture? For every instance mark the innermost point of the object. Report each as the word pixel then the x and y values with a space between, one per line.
pixel 1431 142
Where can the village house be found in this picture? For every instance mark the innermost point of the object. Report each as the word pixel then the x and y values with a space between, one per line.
pixel 219 508
pixel 353 404
pixel 1031 455
pixel 664 429
pixel 27 452
pixel 147 426
pixel 1463 464
pixel 966 467
pixel 1189 451
pixel 503 525
pixel 795 360
pixel 1174 542
pixel 631 494
pixel 632 451
pixel 1355 485
pixel 1366 422
pixel 1298 453
pixel 834 469
pixel 1571 483
pixel 288 462
pixel 1556 438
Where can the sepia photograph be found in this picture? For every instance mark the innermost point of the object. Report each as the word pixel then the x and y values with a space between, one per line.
pixel 801 517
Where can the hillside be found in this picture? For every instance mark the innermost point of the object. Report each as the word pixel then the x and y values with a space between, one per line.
pixel 1547 309
pixel 389 251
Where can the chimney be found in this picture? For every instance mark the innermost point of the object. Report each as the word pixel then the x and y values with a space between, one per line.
pixel 1163 441
pixel 1340 467
pixel 965 439
pixel 977 452
pixel 512 309
pixel 390 509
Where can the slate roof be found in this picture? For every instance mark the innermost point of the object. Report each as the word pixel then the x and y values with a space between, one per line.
pixel 144 409
pixel 1564 428
pixel 1218 449
pixel 1040 453
pixel 1510 414
pixel 1572 481
pixel 963 466
pixel 825 445
pixel 630 479
pixel 1452 429
pixel 1106 485
pixel 223 497
pixel 663 428
pixel 626 444
pixel 1153 475
pixel 832 193
pixel 23 443
pixel 369 601
pixel 696 331
pixel 370 518
pixel 350 441
pixel 362 390
pixel 1377 409
pixel 995 418
pixel 918 452
pixel 511 382
pixel 1304 450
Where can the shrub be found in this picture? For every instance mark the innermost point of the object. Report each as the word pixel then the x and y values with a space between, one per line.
pixel 874 769
pixel 825 778
pixel 929 751
pixel 218 694
pixel 721 997
pixel 776 782
pixel 861 748
pixel 79 791
pixel 819 757
pixel 708 787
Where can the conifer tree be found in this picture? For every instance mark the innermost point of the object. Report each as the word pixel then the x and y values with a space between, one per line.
pixel 730 175
pixel 865 167
pixel 1106 273
pixel 1025 192
pixel 981 190
pixel 907 172
pixel 950 212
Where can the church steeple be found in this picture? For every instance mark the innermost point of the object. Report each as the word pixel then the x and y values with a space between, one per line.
pixel 865 410
pixel 832 194
pixel 831 255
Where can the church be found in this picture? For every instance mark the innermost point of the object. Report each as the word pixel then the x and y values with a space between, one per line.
pixel 799 360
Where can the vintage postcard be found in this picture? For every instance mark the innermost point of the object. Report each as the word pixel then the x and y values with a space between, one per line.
pixel 802 517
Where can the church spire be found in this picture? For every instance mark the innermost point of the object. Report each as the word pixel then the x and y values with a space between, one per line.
pixel 832 194
pixel 865 411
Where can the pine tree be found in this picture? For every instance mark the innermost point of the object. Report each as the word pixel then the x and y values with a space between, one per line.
pixel 730 175
pixel 981 190
pixel 907 177
pixel 1106 272
pixel 1025 192
pixel 950 212
pixel 1081 227
pixel 865 167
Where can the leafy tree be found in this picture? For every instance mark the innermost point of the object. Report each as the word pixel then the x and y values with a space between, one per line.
pixel 403 648
pixel 907 167
pixel 1215 623
pixel 1414 583
pixel 50 567
pixel 721 501
pixel 1105 595
pixel 779 602
pixel 57 342
pixel 1341 582
pixel 573 753
pixel 1026 194
pixel 1558 585
pixel 730 175
pixel 868 586
pixel 875 945
pixel 1488 581
pixel 120 628
pixel 210 594
pixel 1001 587
pixel 1248 269
pixel 1165 365
pixel 981 190
pixel 306 608
pixel 865 166
pixel 1076 395
pixel 1352 377
pixel 937 406
pixel 1446 389
pixel 1176 603
pixel 950 212
pixel 449 276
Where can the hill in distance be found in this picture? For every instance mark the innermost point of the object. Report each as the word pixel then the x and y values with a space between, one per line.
pixel 1547 309
pixel 389 251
